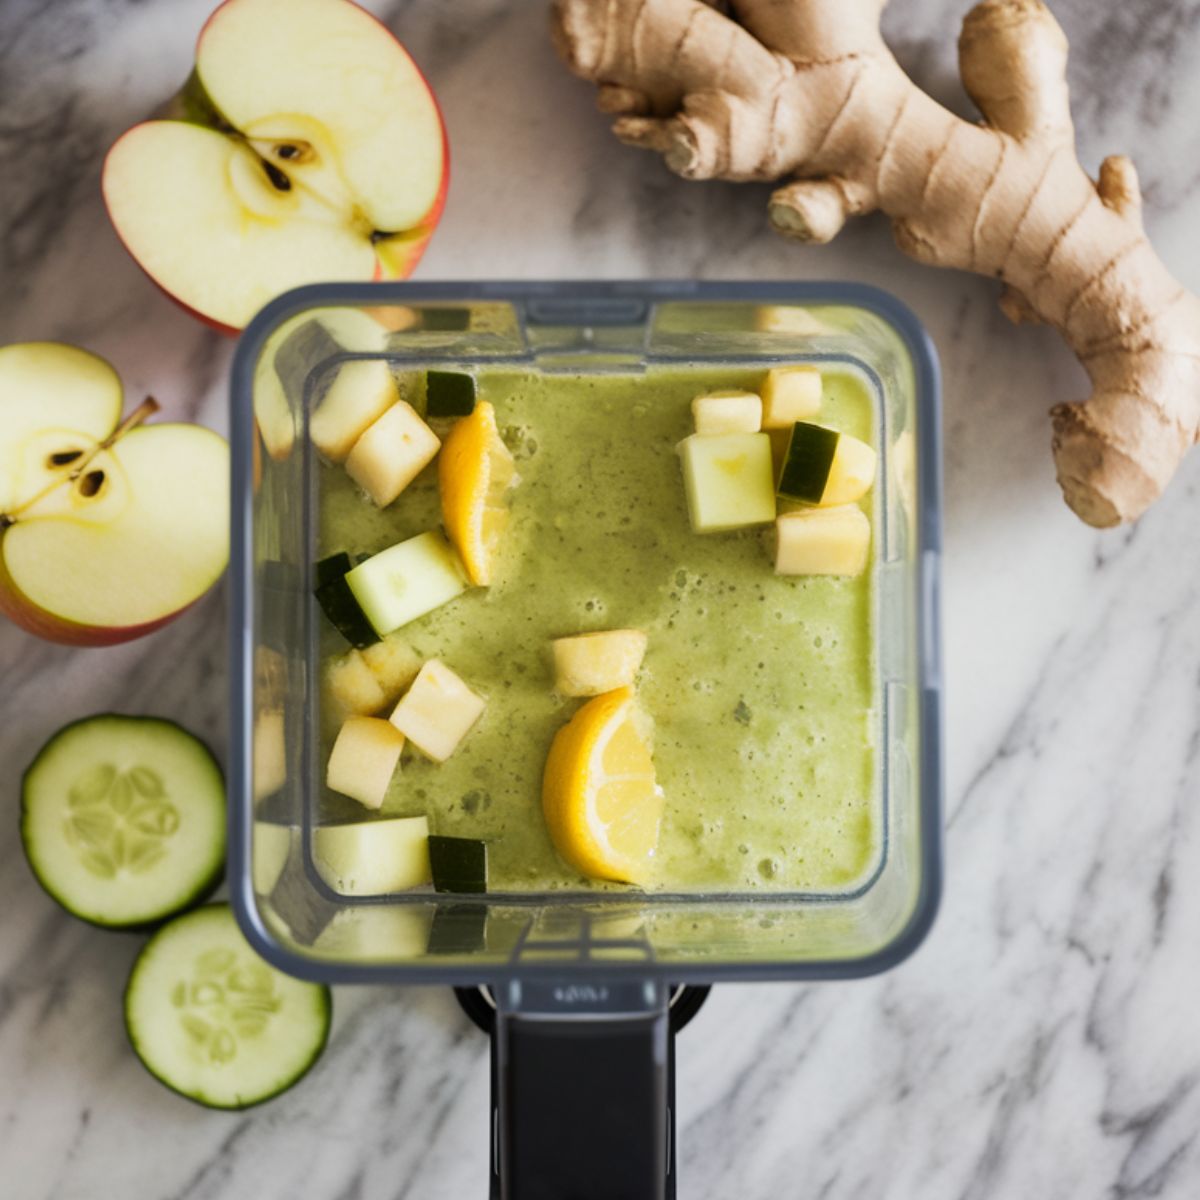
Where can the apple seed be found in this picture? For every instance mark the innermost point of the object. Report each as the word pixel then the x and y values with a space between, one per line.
pixel 277 177
pixel 91 484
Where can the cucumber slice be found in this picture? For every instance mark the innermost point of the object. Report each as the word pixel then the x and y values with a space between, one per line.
pixel 458 864
pixel 449 394
pixel 406 581
pixel 123 820
pixel 215 1023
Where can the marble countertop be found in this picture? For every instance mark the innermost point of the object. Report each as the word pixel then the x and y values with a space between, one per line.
pixel 1043 1043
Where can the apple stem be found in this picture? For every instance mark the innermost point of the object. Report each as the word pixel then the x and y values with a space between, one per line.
pixel 147 408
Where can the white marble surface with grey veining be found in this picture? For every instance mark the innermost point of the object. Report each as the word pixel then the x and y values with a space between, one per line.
pixel 1043 1045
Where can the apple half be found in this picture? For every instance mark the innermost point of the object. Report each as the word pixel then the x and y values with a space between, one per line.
pixel 308 148
pixel 108 528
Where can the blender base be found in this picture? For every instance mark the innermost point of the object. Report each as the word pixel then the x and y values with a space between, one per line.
pixel 479 1004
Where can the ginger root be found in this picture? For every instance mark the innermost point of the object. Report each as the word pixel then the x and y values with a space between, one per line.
pixel 807 89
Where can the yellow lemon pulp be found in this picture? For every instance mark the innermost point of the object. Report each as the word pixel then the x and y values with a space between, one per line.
pixel 602 805
pixel 474 471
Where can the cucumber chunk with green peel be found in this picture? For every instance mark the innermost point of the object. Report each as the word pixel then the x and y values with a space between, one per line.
pixel 123 820
pixel 332 568
pixel 729 479
pixel 449 394
pixel 215 1023
pixel 458 929
pixel 344 612
pixel 825 467
pixel 407 580
pixel 373 858
pixel 458 864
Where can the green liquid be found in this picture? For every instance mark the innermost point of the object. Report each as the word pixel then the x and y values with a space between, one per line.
pixel 761 688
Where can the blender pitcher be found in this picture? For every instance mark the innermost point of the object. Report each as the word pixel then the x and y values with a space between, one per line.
pixel 576 987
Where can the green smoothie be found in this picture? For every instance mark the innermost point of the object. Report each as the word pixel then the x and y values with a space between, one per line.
pixel 761 687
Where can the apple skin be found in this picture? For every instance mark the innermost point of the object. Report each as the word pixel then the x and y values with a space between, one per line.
pixel 419 244
pixel 19 609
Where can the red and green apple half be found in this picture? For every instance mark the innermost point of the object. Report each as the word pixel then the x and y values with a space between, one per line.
pixel 108 528
pixel 308 148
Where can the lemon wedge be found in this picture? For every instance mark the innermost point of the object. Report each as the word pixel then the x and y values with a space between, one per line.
pixel 474 471
pixel 603 807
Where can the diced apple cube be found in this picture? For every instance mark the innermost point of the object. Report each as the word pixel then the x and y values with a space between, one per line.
pixel 394 664
pixel 350 688
pixel 593 663
pixel 728 412
pixel 789 318
pixel 822 541
pixel 438 711
pixel 729 480
pixel 851 473
pixel 361 392
pixel 373 858
pixel 407 580
pixel 790 394
pixel 364 759
pixel 391 453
